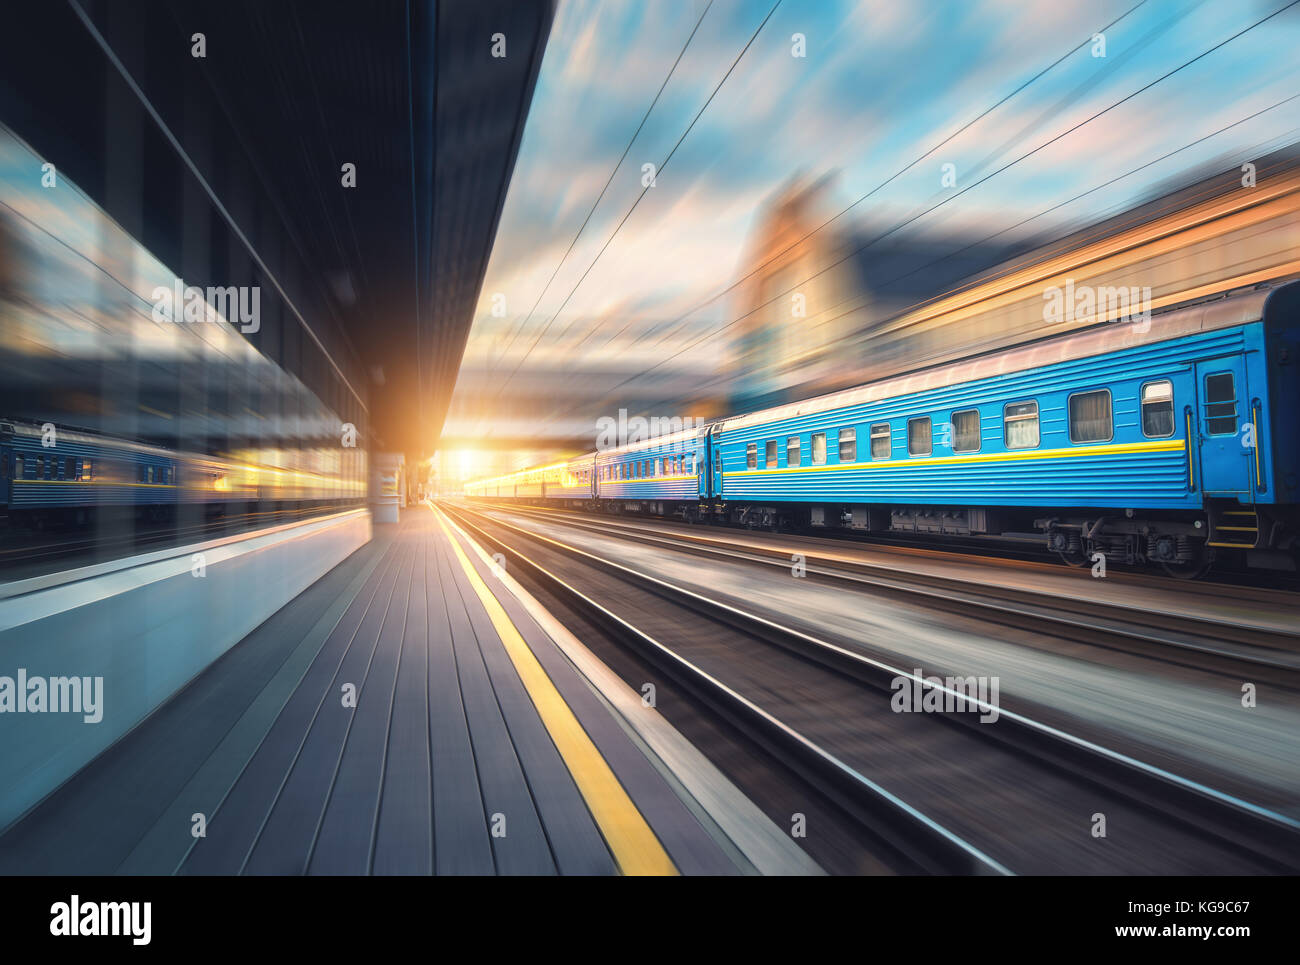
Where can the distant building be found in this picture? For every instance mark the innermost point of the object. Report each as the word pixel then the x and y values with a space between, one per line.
pixel 797 330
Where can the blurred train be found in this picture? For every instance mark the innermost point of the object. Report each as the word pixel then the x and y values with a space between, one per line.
pixel 1169 440
pixel 50 476
pixel 105 410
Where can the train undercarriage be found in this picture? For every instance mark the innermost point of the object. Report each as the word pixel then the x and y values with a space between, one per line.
pixel 1182 544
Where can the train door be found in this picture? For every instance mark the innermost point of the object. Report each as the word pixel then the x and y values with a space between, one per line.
pixel 6 461
pixel 713 464
pixel 1223 427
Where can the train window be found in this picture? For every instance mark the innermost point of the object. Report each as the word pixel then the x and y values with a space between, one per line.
pixel 919 437
pixel 769 454
pixel 966 431
pixel 792 451
pixel 1090 419
pixel 882 445
pixel 1020 425
pixel 1220 404
pixel 88 469
pixel 751 455
pixel 1158 409
pixel 848 445
pixel 18 466
pixel 40 467
pixel 819 449
pixel 70 468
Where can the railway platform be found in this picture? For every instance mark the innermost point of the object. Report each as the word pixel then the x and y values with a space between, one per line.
pixel 414 711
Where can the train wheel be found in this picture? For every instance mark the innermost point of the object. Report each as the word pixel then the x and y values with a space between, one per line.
pixel 1193 569
pixel 1067 545
pixel 1188 571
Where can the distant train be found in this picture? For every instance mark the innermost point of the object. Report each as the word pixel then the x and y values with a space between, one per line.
pixel 1170 441
pixel 62 476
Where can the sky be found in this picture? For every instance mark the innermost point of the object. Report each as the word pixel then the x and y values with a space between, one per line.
pixel 881 85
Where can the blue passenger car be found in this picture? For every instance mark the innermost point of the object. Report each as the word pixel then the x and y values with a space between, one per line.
pixel 51 474
pixel 660 475
pixel 47 472
pixel 1169 440
pixel 1159 441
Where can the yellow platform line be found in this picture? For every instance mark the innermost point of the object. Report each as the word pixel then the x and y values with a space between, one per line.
pixel 634 845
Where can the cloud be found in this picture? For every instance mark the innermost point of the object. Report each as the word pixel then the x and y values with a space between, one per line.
pixel 881 85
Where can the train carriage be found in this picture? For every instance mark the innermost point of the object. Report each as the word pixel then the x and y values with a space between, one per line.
pixel 1167 439
pixel 1150 441
pixel 660 475
pixel 58 475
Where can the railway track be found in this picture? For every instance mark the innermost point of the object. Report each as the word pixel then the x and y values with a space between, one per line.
pixel 1218 645
pixel 1029 549
pixel 944 792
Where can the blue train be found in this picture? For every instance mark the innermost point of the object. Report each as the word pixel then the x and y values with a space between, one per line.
pixel 50 474
pixel 1169 440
